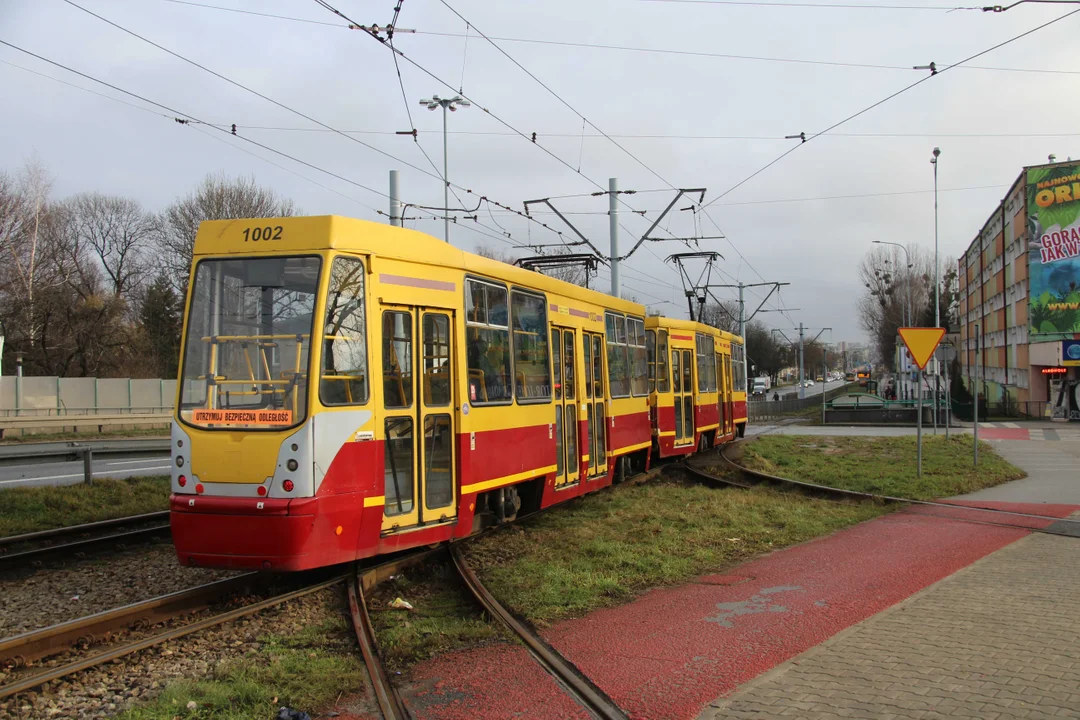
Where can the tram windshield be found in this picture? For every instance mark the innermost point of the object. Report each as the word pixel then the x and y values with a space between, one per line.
pixel 250 322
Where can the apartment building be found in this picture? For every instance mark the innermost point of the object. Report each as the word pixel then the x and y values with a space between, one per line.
pixel 1020 296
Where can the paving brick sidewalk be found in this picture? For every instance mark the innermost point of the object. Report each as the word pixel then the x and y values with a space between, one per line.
pixel 999 639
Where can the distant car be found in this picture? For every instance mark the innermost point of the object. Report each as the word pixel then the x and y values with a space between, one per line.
pixel 820 379
pixel 808 383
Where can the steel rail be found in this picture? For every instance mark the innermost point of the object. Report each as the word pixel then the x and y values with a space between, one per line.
pixel 8 561
pixel 69 530
pixel 566 673
pixel 841 493
pixel 34 645
pixel 386 694
pixel 120 651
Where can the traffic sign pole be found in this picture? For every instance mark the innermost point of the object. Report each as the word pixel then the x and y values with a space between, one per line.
pixel 922 343
pixel 918 433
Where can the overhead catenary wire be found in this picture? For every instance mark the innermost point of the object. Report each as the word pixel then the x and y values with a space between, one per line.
pixel 626 48
pixel 285 107
pixel 326 5
pixel 187 119
pixel 901 91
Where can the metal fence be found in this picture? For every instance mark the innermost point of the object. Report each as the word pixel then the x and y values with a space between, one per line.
pixel 1008 408
pixel 758 410
pixel 46 396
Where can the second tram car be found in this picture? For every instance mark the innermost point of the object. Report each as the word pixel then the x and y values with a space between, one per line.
pixel 349 389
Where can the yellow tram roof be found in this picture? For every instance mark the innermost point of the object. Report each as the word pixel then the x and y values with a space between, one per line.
pixel 334 232
pixel 690 326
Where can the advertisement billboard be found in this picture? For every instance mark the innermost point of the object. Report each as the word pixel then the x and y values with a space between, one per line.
pixel 1053 195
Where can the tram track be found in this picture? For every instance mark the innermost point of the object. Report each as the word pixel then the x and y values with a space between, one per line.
pixel 22 651
pixel 757 477
pixel 18 551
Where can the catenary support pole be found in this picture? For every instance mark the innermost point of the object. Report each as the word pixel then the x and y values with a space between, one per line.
pixel 742 331
pixel 395 200
pixel 824 381
pixel 802 373
pixel 613 230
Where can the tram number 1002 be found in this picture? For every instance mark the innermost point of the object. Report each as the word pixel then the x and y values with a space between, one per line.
pixel 262 233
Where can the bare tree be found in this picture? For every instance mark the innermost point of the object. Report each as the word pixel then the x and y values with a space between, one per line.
pixel 892 290
pixel 23 209
pixel 217 198
pixel 116 231
pixel 723 315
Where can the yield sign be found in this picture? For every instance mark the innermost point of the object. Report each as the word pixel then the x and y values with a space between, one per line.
pixel 921 343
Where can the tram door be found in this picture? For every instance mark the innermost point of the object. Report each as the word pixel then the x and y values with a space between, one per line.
pixel 726 407
pixel 592 352
pixel 564 364
pixel 417 383
pixel 682 374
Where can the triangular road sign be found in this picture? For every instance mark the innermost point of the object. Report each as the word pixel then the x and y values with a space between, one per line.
pixel 921 343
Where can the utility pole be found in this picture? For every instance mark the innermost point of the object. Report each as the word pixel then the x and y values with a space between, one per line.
pixel 802 373
pixel 395 200
pixel 774 286
pixel 613 230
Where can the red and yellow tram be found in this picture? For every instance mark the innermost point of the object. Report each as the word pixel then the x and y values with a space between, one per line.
pixel 349 389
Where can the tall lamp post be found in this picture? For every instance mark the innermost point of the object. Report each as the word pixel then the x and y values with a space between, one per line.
pixel 909 311
pixel 937 302
pixel 451 104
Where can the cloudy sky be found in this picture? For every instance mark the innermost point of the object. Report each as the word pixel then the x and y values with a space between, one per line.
pixel 726 81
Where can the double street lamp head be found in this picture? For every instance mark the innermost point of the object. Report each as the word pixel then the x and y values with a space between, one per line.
pixel 450 104
pixel 937 151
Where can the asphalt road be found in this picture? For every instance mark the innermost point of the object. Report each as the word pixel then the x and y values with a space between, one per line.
pixel 792 390
pixel 70 473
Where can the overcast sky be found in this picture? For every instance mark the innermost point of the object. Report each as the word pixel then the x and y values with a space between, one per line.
pixel 989 121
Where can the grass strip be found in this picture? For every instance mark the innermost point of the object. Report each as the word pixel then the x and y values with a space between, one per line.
pixel 882 465
pixel 30 509
pixel 445 617
pixel 306 669
pixel 605 549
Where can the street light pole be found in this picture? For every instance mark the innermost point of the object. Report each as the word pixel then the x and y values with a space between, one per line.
pixel 451 104
pixel 937 302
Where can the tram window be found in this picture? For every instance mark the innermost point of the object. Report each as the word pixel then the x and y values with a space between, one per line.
pixel 662 361
pixel 617 354
pixel 568 364
pixel 397 359
pixel 398 466
pixel 344 378
pixel 650 349
pixel 597 369
pixel 487 336
pixel 556 362
pixel 706 363
pixel 639 359
pixel 438 462
pixel 532 372
pixel 436 359
pixel 250 328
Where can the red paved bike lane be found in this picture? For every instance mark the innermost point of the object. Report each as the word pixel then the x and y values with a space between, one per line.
pixel 674 650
